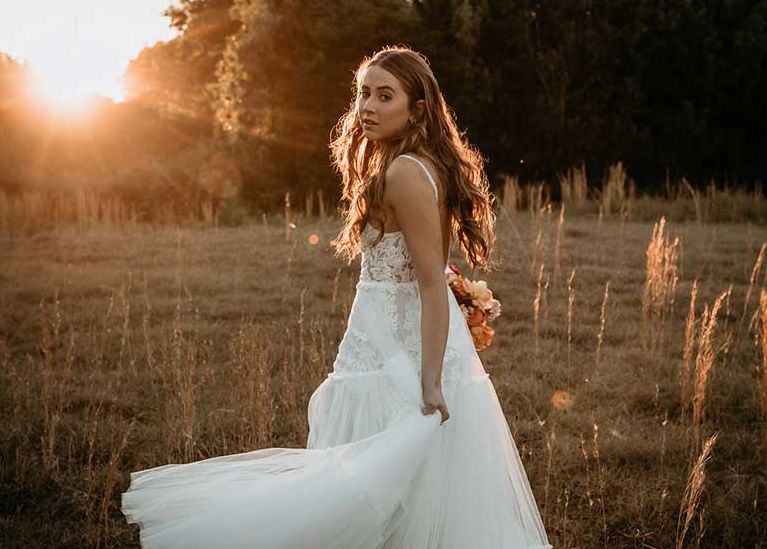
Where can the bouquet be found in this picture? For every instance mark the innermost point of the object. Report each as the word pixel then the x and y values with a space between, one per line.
pixel 477 305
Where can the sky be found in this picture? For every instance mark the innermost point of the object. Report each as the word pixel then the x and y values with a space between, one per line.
pixel 80 47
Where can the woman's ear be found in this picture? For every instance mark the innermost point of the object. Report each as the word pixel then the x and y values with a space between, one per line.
pixel 420 106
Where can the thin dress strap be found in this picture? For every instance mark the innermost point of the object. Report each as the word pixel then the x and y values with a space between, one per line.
pixel 428 174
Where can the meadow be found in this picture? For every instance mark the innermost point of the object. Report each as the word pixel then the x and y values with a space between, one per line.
pixel 629 358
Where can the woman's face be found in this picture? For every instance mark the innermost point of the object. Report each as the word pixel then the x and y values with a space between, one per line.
pixel 382 104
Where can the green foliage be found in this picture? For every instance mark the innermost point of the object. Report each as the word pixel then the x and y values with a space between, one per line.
pixel 284 80
pixel 174 76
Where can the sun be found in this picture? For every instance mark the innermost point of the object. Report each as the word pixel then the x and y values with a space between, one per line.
pixel 64 98
pixel 64 86
pixel 77 51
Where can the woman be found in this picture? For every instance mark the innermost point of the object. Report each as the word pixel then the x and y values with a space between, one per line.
pixel 408 446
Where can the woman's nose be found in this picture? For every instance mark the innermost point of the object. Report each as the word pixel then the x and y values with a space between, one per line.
pixel 367 106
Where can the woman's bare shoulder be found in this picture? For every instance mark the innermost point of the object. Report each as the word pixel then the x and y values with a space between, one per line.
pixel 400 176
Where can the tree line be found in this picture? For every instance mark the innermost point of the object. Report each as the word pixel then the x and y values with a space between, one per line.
pixel 670 88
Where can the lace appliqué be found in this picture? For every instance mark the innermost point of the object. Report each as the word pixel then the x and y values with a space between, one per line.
pixel 405 312
pixel 388 261
pixel 389 286
pixel 356 353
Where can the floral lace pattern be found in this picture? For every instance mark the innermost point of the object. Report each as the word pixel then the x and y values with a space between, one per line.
pixel 389 260
pixel 408 327
pixel 356 353
pixel 388 302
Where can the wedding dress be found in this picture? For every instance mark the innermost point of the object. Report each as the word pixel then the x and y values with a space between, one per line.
pixel 376 473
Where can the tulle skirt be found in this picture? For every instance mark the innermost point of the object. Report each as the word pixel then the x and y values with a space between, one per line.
pixel 376 474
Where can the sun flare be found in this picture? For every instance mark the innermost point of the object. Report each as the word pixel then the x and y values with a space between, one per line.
pixel 64 89
pixel 77 51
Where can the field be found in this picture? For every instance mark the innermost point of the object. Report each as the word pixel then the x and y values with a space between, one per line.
pixel 640 420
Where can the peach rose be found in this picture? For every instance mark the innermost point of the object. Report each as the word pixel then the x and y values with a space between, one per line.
pixel 482 294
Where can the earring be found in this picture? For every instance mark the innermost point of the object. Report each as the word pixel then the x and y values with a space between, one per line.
pixel 412 121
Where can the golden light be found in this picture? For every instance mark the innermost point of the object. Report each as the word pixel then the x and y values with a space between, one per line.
pixel 78 50
pixel 65 87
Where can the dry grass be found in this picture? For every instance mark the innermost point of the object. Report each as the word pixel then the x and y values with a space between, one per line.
pixel 617 196
pixel 558 243
pixel 570 313
pixel 763 345
pixel 33 209
pixel 511 195
pixel 126 347
pixel 537 305
pixel 602 319
pixel 614 195
pixel 689 342
pixel 753 281
pixel 704 362
pixel 661 276
pixel 693 492
pixel 574 187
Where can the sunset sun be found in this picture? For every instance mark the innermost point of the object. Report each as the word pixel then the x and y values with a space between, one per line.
pixel 66 86
pixel 79 50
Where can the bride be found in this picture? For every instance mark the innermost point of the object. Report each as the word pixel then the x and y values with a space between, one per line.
pixel 408 446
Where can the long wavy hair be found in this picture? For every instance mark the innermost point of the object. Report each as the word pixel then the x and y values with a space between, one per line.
pixel 362 163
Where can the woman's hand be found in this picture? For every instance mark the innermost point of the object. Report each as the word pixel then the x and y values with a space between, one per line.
pixel 433 401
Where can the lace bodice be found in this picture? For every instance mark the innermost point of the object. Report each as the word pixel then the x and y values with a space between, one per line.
pixel 389 260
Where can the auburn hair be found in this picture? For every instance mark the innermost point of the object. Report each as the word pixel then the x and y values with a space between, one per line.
pixel 363 163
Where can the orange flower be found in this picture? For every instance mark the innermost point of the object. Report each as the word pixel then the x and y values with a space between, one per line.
pixel 476 317
pixel 477 305
pixel 482 336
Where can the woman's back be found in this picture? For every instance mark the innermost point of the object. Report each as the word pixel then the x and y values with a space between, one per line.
pixel 392 226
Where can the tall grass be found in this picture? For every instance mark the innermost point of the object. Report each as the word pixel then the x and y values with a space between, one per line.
pixel 602 320
pixel 180 344
pixel 512 198
pixel 692 494
pixel 763 345
pixel 570 315
pixel 558 242
pixel 687 352
pixel 574 187
pixel 751 282
pixel 33 210
pixel 542 285
pixel 704 362
pixel 661 276
pixel 615 195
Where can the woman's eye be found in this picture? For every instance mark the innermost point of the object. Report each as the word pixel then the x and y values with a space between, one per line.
pixel 384 97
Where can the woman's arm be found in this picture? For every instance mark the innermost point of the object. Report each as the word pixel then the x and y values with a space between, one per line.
pixel 411 195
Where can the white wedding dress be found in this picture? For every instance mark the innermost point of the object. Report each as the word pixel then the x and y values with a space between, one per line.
pixel 376 473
